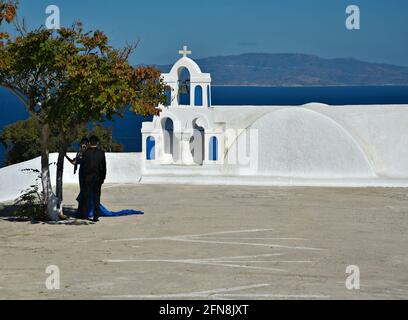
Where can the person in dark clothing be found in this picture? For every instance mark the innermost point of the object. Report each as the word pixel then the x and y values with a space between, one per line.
pixel 76 162
pixel 93 165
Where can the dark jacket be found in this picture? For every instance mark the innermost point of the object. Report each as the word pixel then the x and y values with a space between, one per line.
pixel 93 165
pixel 78 160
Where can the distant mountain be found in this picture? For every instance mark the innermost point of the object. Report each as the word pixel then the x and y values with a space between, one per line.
pixel 260 69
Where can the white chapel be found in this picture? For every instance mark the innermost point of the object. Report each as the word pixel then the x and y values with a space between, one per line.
pixel 194 141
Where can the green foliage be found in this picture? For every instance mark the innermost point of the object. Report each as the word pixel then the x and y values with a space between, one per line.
pixel 30 204
pixel 105 138
pixel 22 140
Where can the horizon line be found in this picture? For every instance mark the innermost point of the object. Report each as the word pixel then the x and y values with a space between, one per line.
pixel 279 53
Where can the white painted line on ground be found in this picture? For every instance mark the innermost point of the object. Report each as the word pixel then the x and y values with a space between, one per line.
pixel 191 235
pixel 253 286
pixel 182 239
pixel 239 266
pixel 243 257
pixel 190 238
pixel 197 262
pixel 229 262
pixel 218 296
pixel 190 294
pixel 203 259
pixel 147 260
pixel 248 244
pixel 249 238
pixel 141 239
pixel 275 296
pixel 229 232
pixel 263 261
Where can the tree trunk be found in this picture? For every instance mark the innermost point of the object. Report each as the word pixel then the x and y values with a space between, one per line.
pixel 49 197
pixel 45 163
pixel 60 174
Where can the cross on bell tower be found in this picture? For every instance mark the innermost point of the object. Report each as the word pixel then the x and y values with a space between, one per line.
pixel 185 52
pixel 186 84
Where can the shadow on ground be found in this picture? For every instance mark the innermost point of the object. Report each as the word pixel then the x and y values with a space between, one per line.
pixel 7 213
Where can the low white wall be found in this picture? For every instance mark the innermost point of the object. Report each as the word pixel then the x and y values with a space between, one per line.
pixel 121 168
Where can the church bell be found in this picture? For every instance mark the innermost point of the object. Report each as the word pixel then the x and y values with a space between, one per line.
pixel 183 87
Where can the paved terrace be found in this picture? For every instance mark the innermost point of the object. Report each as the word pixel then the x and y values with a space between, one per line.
pixel 209 242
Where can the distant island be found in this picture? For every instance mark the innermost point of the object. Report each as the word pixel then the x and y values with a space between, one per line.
pixel 289 70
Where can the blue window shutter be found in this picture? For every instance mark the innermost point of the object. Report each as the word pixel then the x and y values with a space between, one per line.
pixel 213 149
pixel 150 148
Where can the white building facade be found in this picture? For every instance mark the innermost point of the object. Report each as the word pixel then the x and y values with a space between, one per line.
pixel 193 141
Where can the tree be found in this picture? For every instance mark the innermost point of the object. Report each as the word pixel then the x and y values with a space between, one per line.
pixel 22 140
pixel 29 67
pixel 67 78
pixel 101 84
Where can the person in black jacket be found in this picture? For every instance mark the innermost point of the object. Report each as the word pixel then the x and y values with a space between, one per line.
pixel 84 144
pixel 94 173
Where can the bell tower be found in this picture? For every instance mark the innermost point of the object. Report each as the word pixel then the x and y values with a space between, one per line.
pixel 189 86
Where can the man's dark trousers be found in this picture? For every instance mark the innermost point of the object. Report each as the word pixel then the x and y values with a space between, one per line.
pixel 93 189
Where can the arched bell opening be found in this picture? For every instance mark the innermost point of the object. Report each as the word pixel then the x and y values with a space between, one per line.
pixel 184 87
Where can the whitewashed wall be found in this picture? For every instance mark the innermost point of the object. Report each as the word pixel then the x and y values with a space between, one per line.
pixel 121 168
pixel 322 142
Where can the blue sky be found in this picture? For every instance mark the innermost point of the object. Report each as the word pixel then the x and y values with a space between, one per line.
pixel 223 27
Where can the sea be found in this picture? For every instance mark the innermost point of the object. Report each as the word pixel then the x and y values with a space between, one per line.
pixel 126 130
